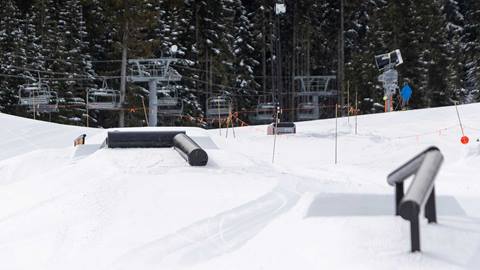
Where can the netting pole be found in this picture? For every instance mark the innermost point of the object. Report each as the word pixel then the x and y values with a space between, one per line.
pixel 275 134
pixel 356 111
pixel 459 120
pixel 336 133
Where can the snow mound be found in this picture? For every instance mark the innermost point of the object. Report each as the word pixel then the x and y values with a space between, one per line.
pixel 96 208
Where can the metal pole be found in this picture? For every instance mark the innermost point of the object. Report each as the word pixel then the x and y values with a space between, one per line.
pixel 219 119
pixel 33 96
pixel 88 115
pixel 144 109
pixel 275 135
pixel 459 120
pixel 415 234
pixel 227 126
pixel 34 105
pixel 153 103
pixel 341 57
pixel 430 208
pixel 336 133
pixel 399 193
pixel 123 81
pixel 348 102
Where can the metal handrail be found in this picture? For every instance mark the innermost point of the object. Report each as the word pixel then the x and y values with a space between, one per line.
pixel 421 192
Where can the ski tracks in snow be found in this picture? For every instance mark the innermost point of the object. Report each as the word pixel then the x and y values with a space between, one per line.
pixel 212 236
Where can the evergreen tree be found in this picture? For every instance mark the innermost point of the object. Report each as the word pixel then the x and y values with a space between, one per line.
pixel 13 56
pixel 454 29
pixel 243 57
pixel 261 42
pixel 362 43
pixel 433 54
pixel 472 48
pixel 238 48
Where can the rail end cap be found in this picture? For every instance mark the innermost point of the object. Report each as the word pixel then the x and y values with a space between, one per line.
pixel 409 210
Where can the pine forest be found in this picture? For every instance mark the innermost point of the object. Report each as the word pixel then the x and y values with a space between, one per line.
pixel 244 53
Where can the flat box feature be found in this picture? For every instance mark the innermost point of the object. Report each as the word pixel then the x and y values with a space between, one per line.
pixel 282 128
pixel 141 139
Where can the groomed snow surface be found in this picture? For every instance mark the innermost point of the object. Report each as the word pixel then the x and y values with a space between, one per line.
pixel 94 208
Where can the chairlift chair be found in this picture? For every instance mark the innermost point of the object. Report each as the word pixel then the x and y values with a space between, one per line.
pixel 264 113
pixel 314 92
pixel 218 108
pixel 103 99
pixel 308 111
pixel 169 104
pixel 145 70
pixel 38 97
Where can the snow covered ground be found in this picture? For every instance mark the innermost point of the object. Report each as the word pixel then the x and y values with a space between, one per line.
pixel 89 208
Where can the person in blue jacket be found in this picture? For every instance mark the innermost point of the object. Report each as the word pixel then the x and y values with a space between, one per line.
pixel 406 94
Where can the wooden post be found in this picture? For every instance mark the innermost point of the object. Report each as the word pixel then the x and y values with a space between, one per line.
pixel 33 98
pixel 356 111
pixel 219 119
pixel 88 115
pixel 348 102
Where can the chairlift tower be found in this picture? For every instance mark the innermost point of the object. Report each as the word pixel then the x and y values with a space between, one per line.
pixel 313 89
pixel 153 72
pixel 389 77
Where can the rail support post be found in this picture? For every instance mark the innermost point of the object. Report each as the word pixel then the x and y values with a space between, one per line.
pixel 430 208
pixel 398 197
pixel 415 234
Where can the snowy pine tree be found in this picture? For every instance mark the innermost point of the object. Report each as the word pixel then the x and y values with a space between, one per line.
pixel 455 29
pixel 472 48
pixel 13 55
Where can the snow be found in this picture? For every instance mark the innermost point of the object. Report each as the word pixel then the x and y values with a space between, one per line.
pixel 94 208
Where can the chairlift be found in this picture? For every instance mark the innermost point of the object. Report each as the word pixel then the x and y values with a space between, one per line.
pixel 219 108
pixel 145 70
pixel 308 111
pixel 264 113
pixel 38 98
pixel 313 93
pixel 103 99
pixel 168 104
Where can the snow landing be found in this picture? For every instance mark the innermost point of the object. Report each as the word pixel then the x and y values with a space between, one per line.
pixel 96 208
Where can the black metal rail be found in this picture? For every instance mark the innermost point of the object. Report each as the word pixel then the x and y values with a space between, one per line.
pixel 190 150
pixel 421 192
